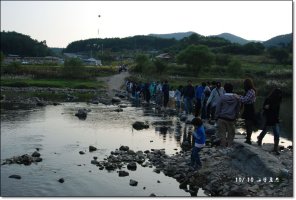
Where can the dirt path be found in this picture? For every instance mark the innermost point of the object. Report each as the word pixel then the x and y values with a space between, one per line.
pixel 114 82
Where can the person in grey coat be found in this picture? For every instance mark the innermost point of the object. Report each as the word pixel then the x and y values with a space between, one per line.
pixel 227 111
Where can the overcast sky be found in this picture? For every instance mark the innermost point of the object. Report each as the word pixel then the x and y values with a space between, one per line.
pixel 62 22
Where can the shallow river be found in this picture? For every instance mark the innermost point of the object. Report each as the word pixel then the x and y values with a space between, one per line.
pixel 60 136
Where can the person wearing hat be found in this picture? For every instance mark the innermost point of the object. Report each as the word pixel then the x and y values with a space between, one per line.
pixel 199 137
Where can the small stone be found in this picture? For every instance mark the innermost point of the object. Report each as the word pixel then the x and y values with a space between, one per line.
pixel 92 148
pixel 38 160
pixel 95 157
pixel 101 168
pixel 152 195
pixel 124 148
pixel 94 162
pixel 151 140
pixel 15 176
pixel 61 180
pixel 81 152
pixel 156 171
pixel 118 110
pixel 122 173
pixel 36 154
pixel 132 166
pixel 140 125
pixel 158 181
pixel 133 182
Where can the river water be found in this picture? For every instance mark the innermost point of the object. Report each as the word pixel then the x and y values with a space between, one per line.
pixel 60 136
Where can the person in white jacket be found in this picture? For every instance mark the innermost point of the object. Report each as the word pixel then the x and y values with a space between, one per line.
pixel 214 98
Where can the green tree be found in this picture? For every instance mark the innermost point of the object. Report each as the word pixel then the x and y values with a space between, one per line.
pixel 73 69
pixel 160 66
pixel 1 56
pixel 280 54
pixel 223 59
pixel 196 57
pixel 141 62
pixel 253 48
pixel 234 67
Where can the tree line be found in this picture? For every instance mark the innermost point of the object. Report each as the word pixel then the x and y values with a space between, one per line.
pixel 23 45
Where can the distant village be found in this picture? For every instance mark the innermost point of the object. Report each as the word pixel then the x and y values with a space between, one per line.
pixel 50 59
pixel 57 60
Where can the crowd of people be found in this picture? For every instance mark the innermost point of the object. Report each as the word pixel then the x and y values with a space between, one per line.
pixel 219 105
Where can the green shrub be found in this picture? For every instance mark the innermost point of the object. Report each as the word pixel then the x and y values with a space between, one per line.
pixel 223 59
pixel 160 66
pixel 74 69
pixel 234 67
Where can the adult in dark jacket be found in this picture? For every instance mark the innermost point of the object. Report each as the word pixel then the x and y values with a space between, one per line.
pixel 227 110
pixel 248 100
pixel 166 92
pixel 188 97
pixel 271 107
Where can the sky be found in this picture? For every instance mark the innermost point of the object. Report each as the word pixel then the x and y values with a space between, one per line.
pixel 62 22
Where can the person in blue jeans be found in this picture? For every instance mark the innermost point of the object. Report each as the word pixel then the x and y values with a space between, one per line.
pixel 271 107
pixel 199 142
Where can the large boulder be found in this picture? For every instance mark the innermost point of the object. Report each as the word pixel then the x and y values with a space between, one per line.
pixel 255 161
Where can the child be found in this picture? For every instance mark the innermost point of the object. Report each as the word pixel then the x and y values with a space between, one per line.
pixel 199 142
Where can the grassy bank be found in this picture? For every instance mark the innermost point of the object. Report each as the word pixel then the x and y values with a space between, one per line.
pixel 54 83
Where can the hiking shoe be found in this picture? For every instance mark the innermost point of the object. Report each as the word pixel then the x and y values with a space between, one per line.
pixel 248 142
pixel 276 152
pixel 259 142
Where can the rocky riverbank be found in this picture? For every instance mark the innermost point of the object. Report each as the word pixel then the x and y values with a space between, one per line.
pixel 243 170
pixel 37 96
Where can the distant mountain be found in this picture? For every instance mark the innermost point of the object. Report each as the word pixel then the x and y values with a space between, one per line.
pixel 281 40
pixel 177 36
pixel 233 38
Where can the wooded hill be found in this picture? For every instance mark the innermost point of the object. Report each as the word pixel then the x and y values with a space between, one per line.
pixel 23 45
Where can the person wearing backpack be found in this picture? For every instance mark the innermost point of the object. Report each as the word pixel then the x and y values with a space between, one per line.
pixel 271 107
